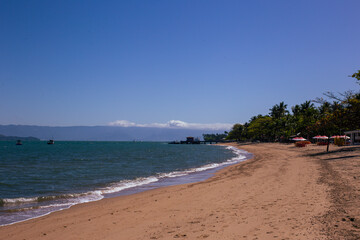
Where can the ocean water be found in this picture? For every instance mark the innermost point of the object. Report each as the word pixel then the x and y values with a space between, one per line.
pixel 37 179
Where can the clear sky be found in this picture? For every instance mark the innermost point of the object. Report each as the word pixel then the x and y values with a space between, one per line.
pixel 65 63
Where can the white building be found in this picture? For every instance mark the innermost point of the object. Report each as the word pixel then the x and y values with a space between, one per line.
pixel 354 137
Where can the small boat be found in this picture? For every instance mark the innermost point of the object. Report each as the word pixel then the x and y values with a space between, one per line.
pixel 50 141
pixel 18 142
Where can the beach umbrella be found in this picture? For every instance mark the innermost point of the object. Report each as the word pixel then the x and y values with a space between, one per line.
pixel 344 136
pixel 317 137
pixel 298 139
pixel 340 136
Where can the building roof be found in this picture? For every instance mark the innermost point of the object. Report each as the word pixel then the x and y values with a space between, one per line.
pixel 353 131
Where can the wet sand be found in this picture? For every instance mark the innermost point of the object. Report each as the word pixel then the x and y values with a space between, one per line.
pixel 282 193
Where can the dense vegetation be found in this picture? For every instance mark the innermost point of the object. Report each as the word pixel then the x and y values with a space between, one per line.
pixel 333 115
pixel 214 137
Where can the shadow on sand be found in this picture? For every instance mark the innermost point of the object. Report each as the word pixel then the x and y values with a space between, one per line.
pixel 343 149
pixel 337 158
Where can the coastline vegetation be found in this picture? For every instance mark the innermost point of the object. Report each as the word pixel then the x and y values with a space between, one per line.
pixel 215 137
pixel 330 116
pixel 14 138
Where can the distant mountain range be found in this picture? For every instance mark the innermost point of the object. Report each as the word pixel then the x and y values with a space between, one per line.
pixel 103 133
pixel 15 138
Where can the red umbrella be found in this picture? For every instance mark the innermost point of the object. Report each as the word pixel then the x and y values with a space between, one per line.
pixel 340 136
pixel 299 139
pixel 318 137
pixel 344 136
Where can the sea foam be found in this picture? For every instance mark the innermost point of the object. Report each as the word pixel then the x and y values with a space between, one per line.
pixel 33 207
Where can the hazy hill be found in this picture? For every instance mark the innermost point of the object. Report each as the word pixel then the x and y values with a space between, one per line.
pixel 14 138
pixel 103 133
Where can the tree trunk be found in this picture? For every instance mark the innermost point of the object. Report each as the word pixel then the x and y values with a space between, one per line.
pixel 328 143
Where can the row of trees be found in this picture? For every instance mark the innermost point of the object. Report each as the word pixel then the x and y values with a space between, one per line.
pixel 333 116
pixel 215 137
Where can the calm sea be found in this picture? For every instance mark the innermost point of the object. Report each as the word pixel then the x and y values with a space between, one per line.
pixel 36 178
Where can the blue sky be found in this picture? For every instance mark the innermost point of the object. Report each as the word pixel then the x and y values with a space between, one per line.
pixel 67 63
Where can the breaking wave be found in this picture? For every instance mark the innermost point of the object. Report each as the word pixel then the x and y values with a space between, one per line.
pixel 43 205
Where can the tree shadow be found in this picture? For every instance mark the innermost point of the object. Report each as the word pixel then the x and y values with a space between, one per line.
pixel 337 158
pixel 344 149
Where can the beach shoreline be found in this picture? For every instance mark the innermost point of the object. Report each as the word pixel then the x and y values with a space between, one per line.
pixel 283 192
pixel 126 187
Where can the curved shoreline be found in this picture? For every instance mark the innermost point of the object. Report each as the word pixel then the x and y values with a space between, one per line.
pixel 281 193
pixel 169 179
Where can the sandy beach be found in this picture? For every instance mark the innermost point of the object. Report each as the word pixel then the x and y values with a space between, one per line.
pixel 282 193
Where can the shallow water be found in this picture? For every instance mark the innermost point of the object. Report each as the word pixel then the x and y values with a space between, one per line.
pixel 36 178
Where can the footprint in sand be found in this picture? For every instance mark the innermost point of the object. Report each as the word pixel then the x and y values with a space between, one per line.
pixel 179 235
pixel 204 236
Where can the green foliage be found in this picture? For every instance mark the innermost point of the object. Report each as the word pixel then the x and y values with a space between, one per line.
pixel 307 116
pixel 306 119
pixel 237 132
pixel 214 137
pixel 357 76
pixel 278 111
pixel 260 128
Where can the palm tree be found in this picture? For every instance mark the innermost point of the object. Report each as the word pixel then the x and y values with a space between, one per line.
pixel 296 110
pixel 279 110
pixel 307 107
pixel 325 109
pixel 278 114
